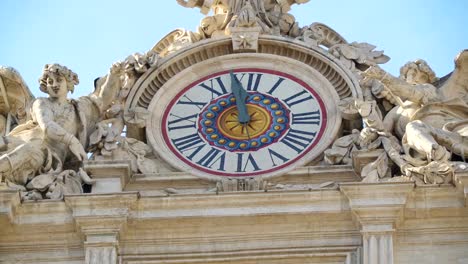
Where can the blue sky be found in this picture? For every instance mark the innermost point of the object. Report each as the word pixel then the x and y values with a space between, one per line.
pixel 88 36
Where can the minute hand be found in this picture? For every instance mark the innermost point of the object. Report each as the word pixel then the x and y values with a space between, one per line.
pixel 240 94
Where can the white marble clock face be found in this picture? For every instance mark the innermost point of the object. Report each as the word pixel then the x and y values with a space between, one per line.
pixel 200 126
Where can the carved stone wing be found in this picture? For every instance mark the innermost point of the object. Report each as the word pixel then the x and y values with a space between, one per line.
pixel 174 41
pixel 349 52
pixel 15 95
pixel 328 36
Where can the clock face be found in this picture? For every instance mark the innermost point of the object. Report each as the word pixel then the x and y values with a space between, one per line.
pixel 198 124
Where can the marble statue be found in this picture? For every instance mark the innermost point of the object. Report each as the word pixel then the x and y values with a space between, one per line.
pixel 437 120
pixel 271 16
pixel 431 122
pixel 43 156
pixel 419 122
pixel 51 145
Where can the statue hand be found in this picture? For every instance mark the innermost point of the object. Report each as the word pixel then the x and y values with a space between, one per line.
pixel 77 149
pixel 187 3
pixel 299 1
pixel 116 68
pixel 406 169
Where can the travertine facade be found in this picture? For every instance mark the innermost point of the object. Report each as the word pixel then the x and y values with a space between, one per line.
pixel 252 140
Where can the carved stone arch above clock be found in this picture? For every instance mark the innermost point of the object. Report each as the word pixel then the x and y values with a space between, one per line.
pixel 341 78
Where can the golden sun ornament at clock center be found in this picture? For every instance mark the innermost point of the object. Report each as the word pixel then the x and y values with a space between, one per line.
pixel 229 126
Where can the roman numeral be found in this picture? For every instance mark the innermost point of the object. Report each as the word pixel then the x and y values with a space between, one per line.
pixel 240 76
pixel 298 140
pixel 280 80
pixel 174 124
pixel 191 102
pixel 297 98
pixel 241 166
pixel 277 155
pixel 213 157
pixel 217 90
pixel 253 81
pixel 312 118
pixel 189 142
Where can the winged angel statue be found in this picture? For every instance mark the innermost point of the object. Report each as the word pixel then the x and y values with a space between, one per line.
pixel 36 151
pixel 42 156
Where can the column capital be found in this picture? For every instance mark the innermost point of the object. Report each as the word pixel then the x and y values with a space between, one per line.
pixel 101 214
pixel 101 219
pixel 377 206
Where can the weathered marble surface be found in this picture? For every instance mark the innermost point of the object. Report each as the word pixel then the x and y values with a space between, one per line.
pixel 393 188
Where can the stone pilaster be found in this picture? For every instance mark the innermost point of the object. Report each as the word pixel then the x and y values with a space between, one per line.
pixel 377 207
pixel 461 179
pixel 378 245
pixel 101 248
pixel 101 218
pixel 9 202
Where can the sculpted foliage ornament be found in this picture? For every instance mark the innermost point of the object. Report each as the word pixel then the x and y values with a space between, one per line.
pixel 360 55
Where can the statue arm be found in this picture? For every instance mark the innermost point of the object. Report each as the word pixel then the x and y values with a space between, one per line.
pixel 292 2
pixel 111 87
pixel 286 4
pixel 419 93
pixel 44 117
pixel 204 5
pixel 190 3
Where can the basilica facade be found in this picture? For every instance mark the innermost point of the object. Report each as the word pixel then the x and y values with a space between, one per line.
pixel 249 140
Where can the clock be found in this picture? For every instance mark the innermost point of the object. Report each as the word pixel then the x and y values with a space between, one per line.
pixel 249 115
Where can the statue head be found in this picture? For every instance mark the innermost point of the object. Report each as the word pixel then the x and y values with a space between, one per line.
pixel 57 71
pixel 417 72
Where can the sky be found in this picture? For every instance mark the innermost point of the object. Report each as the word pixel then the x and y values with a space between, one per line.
pixel 88 36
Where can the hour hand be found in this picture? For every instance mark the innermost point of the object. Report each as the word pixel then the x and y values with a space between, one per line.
pixel 240 94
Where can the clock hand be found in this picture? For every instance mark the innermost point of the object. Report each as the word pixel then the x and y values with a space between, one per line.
pixel 240 94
